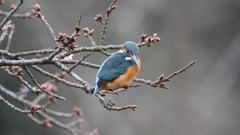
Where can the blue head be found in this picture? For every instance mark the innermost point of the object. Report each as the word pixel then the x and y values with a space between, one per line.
pixel 132 50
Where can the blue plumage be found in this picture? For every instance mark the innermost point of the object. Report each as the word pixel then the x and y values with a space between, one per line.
pixel 116 65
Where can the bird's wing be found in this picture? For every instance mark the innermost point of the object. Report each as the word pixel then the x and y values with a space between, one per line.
pixel 112 68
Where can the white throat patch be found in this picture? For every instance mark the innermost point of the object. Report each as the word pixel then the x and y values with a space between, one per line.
pixel 128 58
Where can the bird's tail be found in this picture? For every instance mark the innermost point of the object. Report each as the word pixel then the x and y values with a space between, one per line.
pixel 96 89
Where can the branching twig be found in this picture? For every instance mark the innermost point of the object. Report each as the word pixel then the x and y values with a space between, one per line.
pixel 41 17
pixel 109 10
pixel 57 78
pixel 88 34
pixel 108 104
pixel 11 13
pixel 160 81
pixel 42 89
pixel 18 76
pixel 40 113
pixel 33 110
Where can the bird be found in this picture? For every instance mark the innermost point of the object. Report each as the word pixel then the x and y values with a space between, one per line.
pixel 119 70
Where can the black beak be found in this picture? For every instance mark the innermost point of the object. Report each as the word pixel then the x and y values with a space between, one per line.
pixel 134 58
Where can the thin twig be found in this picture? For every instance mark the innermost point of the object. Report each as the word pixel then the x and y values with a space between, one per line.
pixel 57 123
pixel 80 61
pixel 12 73
pixel 39 98
pixel 43 90
pixel 57 78
pixel 33 111
pixel 179 71
pixel 88 34
pixel 58 114
pixel 80 18
pixel 42 18
pixel 34 119
pixel 109 10
pixel 29 15
pixel 160 81
pixel 33 52
pixel 5 31
pixel 11 13
pixel 10 38
pixel 57 51
pixel 41 113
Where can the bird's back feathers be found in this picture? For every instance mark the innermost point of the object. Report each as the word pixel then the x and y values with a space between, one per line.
pixel 111 69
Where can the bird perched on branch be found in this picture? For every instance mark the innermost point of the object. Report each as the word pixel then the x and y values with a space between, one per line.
pixel 120 69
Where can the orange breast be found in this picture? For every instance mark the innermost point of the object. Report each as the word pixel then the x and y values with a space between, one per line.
pixel 123 80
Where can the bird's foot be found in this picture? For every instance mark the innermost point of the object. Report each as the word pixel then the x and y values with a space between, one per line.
pixel 126 87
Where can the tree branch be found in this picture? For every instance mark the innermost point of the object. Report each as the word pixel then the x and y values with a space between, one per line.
pixel 11 13
pixel 109 10
pixel 109 105
pixel 33 109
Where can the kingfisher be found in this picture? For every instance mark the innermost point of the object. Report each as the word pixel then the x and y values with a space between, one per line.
pixel 119 70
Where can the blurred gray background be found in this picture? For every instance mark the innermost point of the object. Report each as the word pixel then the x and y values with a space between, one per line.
pixel 204 100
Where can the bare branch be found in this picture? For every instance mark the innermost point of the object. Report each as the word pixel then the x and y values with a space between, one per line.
pixel 59 114
pixel 179 71
pixel 5 31
pixel 57 78
pixel 10 38
pixel 41 17
pixel 57 123
pixel 109 10
pixel 35 119
pixel 41 88
pixel 160 81
pixel 18 76
pixel 11 13
pixel 29 15
pixel 88 34
pixel 33 109
pixel 79 21
pixel 82 59
pixel 108 104
pixel 40 113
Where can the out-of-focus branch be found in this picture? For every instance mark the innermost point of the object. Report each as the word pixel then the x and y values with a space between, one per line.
pixel 47 118
pixel 33 110
pixel 11 13
pixel 29 15
pixel 10 38
pixel 5 31
pixel 41 88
